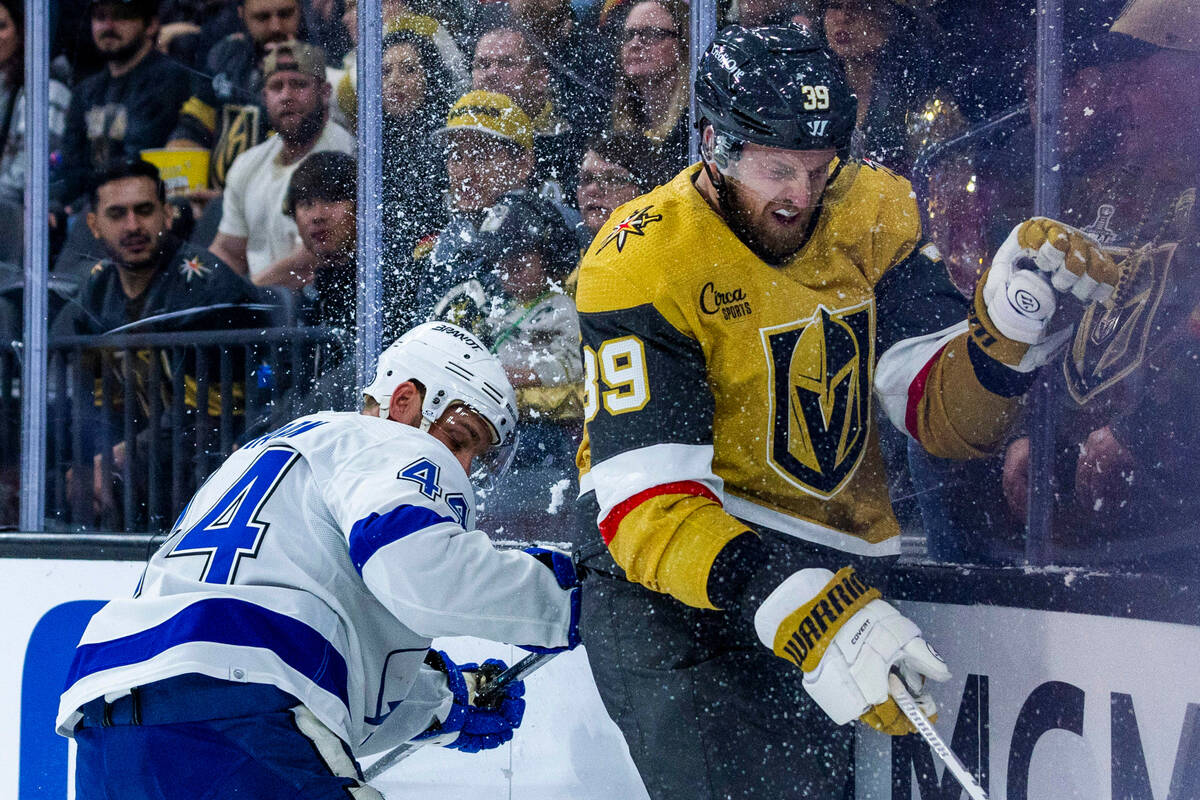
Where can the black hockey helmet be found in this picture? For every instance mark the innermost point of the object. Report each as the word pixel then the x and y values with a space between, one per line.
pixel 777 86
pixel 522 222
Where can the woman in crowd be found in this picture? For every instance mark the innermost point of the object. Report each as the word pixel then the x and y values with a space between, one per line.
pixel 887 62
pixel 650 93
pixel 416 96
pixel 398 17
pixel 616 168
pixel 12 103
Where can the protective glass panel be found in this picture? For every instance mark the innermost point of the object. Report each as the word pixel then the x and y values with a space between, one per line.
pixel 1098 461
pixel 1121 464
pixel 187 142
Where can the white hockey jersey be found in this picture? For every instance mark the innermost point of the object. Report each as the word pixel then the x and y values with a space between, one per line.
pixel 322 558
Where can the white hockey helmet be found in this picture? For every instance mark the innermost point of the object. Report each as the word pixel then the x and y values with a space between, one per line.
pixel 454 367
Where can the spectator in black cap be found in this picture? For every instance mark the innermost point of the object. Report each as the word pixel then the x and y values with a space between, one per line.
pixel 131 105
pixel 254 236
pixel 616 168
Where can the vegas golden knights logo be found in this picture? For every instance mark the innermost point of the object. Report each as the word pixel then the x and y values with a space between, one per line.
pixel 240 130
pixel 820 377
pixel 1110 343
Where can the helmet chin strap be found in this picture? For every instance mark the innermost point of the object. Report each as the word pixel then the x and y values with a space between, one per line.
pixel 718 186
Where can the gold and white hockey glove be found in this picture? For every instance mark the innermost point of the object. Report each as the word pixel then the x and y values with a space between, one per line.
pixel 1016 299
pixel 846 640
pixel 1041 257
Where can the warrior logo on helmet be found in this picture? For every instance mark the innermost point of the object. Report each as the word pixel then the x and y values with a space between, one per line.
pixel 819 370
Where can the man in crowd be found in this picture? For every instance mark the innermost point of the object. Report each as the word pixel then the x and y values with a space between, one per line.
pixel 505 63
pixel 579 63
pixel 489 154
pixel 733 517
pixel 616 168
pixel 226 114
pixel 255 237
pixel 321 198
pixel 147 272
pixel 283 630
pixel 130 105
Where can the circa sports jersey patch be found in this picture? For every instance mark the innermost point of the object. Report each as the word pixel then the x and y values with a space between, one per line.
pixel 633 225
pixel 819 378
pixel 194 268
pixel 729 302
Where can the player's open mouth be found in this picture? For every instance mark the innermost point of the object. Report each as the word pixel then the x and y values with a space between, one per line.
pixel 786 215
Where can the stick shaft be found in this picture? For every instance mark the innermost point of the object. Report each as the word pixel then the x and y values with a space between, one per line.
pixel 936 743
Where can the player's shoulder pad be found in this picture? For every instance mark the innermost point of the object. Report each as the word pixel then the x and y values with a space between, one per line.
pixel 641 248
pixel 880 195
pixel 878 218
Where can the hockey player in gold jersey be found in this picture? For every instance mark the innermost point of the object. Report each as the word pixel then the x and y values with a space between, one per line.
pixel 735 325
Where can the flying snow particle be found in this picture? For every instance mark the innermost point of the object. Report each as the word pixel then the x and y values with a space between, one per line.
pixel 557 492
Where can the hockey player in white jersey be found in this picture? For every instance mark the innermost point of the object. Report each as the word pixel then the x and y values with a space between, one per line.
pixel 283 629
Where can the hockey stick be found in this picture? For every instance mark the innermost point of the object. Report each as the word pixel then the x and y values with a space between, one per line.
pixel 492 691
pixel 909 706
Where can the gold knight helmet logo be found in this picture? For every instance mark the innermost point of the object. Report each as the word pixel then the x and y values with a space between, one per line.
pixel 820 373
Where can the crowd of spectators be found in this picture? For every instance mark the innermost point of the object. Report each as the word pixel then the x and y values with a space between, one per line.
pixel 512 132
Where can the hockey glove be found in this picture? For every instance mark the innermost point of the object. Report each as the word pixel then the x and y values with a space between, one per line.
pixel 1015 299
pixel 568 577
pixel 1040 257
pixel 846 641
pixel 1072 260
pixel 478 727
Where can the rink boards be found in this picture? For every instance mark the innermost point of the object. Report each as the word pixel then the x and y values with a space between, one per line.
pixel 1065 686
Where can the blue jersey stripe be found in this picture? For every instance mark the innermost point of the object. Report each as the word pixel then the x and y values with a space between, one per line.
pixel 223 620
pixel 371 534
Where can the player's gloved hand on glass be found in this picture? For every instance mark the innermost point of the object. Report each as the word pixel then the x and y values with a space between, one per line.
pixel 846 640
pixel 478 727
pixel 1042 257
pixel 569 578
pixel 1070 259
pixel 1019 294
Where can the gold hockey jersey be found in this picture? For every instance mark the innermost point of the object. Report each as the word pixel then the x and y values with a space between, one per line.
pixel 723 391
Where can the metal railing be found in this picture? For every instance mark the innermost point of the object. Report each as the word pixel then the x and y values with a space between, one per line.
pixel 136 421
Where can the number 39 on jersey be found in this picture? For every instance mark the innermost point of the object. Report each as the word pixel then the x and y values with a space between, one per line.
pixel 615 375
